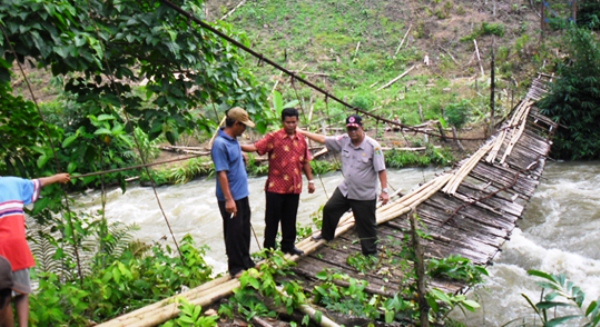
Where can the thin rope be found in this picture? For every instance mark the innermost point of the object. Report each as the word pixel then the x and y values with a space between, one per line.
pixel 157 163
pixel 47 129
pixel 135 138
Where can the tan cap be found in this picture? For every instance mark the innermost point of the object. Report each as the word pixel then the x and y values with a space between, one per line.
pixel 240 115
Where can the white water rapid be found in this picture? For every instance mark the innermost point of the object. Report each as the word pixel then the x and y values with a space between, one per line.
pixel 559 233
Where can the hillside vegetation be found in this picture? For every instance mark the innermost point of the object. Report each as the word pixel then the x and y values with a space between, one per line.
pixel 351 49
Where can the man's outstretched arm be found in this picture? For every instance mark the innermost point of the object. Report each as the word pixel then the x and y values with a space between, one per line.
pixel 249 147
pixel 315 137
pixel 58 178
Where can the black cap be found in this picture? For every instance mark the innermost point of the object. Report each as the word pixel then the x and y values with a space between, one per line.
pixel 6 280
pixel 354 121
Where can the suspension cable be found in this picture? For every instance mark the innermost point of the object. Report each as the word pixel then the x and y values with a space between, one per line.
pixel 262 58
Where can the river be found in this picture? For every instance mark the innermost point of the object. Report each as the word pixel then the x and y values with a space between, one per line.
pixel 192 208
pixel 560 231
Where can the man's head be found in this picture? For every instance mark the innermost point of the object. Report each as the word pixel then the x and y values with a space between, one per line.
pixel 354 127
pixel 289 117
pixel 237 120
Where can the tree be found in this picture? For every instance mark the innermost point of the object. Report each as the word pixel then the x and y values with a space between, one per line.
pixel 103 50
pixel 574 99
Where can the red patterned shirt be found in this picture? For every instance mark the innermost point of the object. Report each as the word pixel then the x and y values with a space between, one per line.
pixel 287 156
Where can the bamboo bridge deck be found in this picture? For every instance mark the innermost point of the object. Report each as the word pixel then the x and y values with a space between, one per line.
pixel 470 211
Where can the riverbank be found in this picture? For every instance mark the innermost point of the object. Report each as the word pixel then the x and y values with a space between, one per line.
pixel 403 149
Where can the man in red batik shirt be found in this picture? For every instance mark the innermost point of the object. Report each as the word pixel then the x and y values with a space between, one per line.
pixel 288 157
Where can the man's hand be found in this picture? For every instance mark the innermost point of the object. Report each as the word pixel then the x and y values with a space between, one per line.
pixel 230 207
pixel 245 155
pixel 384 197
pixel 62 178
pixel 311 188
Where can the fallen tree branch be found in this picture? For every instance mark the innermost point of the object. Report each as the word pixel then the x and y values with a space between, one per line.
pixel 451 56
pixel 401 43
pixel 479 59
pixel 233 10
pixel 396 79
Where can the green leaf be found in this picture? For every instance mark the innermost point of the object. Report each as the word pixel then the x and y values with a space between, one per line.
pixel 322 275
pixel 471 305
pixel 69 140
pixel 552 304
pixel 42 160
pixel 101 131
pixel 591 308
pixel 443 122
pixel 560 320
pixel 291 104
pixel 277 103
pixel 104 117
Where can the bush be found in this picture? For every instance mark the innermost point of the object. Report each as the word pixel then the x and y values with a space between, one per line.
pixel 457 114
pixel 575 98
pixel 492 29
pixel 130 281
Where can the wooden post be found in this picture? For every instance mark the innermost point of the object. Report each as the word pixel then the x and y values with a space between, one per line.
pixel 543 22
pixel 455 134
pixel 441 130
pixel 420 270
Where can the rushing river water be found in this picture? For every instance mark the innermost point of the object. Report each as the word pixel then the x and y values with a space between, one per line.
pixel 192 208
pixel 560 231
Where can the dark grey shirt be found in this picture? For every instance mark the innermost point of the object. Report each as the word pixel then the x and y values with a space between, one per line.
pixel 361 166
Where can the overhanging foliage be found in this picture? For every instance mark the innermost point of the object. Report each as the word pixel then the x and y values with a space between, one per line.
pixel 575 97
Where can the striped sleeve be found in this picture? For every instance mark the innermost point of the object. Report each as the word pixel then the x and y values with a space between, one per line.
pixel 29 190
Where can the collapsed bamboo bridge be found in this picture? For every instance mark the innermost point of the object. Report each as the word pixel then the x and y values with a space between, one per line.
pixel 470 211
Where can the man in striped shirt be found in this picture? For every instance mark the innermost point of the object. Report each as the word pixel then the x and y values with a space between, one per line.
pixel 15 193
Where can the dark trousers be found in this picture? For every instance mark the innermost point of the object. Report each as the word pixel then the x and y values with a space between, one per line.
pixel 236 231
pixel 364 216
pixel 281 208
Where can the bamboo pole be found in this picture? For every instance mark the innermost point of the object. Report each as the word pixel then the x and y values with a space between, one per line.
pixel 356 51
pixel 401 43
pixel 233 10
pixel 134 316
pixel 212 140
pixel 173 311
pixel 396 79
pixel 479 59
pixel 465 169
pixel 517 135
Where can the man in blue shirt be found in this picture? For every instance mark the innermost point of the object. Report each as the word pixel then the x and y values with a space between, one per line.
pixel 232 190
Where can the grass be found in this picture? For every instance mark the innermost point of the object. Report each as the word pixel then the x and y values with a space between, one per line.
pixel 328 45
